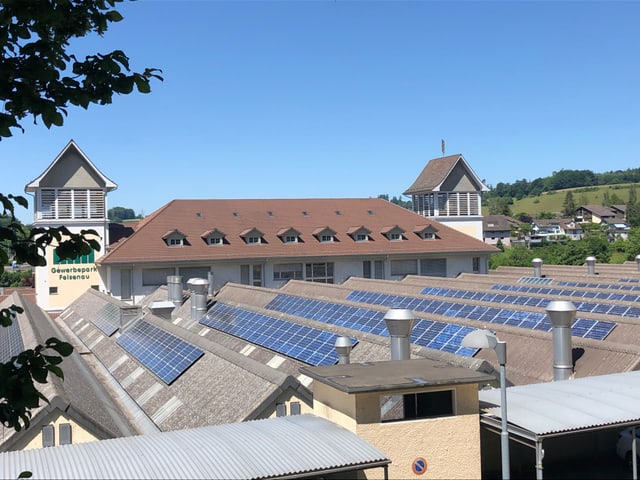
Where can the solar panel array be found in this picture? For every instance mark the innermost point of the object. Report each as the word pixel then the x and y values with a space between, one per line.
pixel 590 307
pixel 307 344
pixel 535 280
pixel 107 319
pixel 428 333
pixel 582 327
pixel 601 286
pixel 630 280
pixel 164 354
pixel 10 341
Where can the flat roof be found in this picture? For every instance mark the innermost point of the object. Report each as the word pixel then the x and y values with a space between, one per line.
pixel 394 375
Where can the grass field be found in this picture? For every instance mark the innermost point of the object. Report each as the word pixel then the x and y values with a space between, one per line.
pixel 552 201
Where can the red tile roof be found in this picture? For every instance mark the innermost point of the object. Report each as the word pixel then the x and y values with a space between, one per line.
pixel 194 218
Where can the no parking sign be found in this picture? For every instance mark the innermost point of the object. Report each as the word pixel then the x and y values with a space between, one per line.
pixel 419 466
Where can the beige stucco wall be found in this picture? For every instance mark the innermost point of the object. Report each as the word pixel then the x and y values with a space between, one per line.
pixel 286 397
pixel 450 445
pixel 78 434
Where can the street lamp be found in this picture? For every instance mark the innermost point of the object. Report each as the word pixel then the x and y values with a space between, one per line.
pixel 488 339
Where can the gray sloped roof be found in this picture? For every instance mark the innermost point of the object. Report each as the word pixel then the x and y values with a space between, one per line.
pixel 270 448
pixel 567 406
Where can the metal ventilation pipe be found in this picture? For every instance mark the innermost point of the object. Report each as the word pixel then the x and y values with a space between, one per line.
pixel 638 262
pixel 174 285
pixel 399 323
pixel 210 279
pixel 198 288
pixel 129 313
pixel 591 265
pixel 537 267
pixel 561 313
pixel 343 347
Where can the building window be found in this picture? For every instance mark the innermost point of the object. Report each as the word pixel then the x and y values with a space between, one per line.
pixel 428 236
pixel 411 406
pixel 404 267
pixel 153 277
pixel 290 239
pixel 362 237
pixel 65 203
pixel 319 272
pixel 251 275
pixel 281 410
pixel 175 242
pixel 64 433
pixel 326 238
pixel 373 269
pixel 395 236
pixel 53 290
pixel 476 264
pixel 215 240
pixel 48 436
pixel 253 240
pixel 287 271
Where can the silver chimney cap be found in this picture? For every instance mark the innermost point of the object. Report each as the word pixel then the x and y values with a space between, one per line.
pixel 399 321
pixel 343 346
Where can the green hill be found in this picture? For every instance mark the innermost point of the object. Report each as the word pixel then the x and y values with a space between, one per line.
pixel 552 201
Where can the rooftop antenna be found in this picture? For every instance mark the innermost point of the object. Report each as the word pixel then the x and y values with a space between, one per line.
pixel 442 143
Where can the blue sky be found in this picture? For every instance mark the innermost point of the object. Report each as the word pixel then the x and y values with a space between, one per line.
pixel 284 99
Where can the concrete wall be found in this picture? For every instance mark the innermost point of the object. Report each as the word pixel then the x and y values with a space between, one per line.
pixel 78 434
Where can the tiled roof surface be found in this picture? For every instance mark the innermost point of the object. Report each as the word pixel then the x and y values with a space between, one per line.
pixel 195 218
pixel 433 174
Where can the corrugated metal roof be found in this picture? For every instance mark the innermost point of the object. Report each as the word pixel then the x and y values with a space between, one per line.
pixel 270 448
pixel 567 406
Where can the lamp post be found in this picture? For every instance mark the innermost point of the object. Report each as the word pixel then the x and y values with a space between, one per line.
pixel 488 339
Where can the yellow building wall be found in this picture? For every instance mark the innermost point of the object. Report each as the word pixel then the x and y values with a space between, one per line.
pixel 450 445
pixel 71 280
pixel 287 397
pixel 78 434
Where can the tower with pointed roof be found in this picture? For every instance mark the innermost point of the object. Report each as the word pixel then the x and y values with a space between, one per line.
pixel 70 192
pixel 448 191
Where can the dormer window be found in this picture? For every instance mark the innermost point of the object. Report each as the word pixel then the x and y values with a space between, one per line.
pixel 289 235
pixel 359 234
pixel 426 232
pixel 213 237
pixel 175 238
pixel 393 233
pixel 252 236
pixel 325 235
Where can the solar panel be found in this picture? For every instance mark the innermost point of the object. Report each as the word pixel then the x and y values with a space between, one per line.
pixel 516 318
pixel 107 319
pixel 307 344
pixel 10 341
pixel 535 280
pixel 372 321
pixel 164 354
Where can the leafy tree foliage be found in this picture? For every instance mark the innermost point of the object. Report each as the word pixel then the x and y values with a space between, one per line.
pixel 40 78
pixel 397 201
pixel 119 214
pixel 569 205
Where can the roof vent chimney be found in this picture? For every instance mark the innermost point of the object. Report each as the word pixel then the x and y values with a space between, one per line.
pixel 174 285
pixel 638 262
pixel 537 267
pixel 343 347
pixel 561 313
pixel 399 323
pixel 198 288
pixel 210 280
pixel 591 265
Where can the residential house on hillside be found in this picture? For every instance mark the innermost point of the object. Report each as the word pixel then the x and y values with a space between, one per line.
pixel 269 242
pixel 448 191
pixel 555 229
pixel 498 228
pixel 599 213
